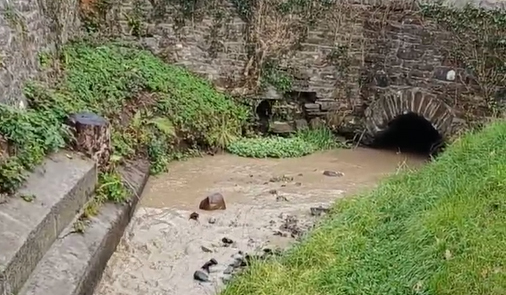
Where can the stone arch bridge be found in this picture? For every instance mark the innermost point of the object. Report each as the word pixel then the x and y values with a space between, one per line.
pixel 412 114
pixel 411 101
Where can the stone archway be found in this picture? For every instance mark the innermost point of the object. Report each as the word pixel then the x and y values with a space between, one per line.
pixel 408 106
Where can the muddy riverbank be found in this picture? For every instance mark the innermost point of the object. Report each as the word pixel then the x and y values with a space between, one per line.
pixel 268 204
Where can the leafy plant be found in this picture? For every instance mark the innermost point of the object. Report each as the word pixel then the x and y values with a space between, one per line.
pixel 109 79
pixel 111 188
pixel 303 143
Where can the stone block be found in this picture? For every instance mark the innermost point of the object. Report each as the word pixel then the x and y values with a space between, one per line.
pixel 445 74
pixel 74 264
pixel 281 128
pixel 409 53
pixel 59 188
pixel 301 124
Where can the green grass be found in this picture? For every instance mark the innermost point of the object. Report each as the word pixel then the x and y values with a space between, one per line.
pixel 437 231
pixel 303 143
pixel 107 79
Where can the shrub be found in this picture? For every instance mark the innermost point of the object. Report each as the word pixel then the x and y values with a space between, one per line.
pixel 301 144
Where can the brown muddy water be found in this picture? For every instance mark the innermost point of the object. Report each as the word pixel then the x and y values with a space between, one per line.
pixel 268 202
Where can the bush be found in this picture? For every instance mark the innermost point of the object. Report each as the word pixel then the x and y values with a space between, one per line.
pixel 303 143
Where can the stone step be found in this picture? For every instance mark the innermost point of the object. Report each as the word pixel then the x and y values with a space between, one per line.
pixel 75 262
pixel 31 221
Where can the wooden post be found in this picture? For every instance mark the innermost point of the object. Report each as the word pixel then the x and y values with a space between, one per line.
pixel 92 134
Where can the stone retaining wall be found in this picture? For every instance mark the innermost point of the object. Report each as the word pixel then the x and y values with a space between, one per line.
pixel 29 30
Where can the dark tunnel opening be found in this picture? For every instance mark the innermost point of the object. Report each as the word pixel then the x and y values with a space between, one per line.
pixel 410 133
pixel 264 113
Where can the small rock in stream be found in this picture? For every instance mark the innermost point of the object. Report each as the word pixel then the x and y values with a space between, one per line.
pixel 237 263
pixel 318 211
pixel 237 256
pixel 194 216
pixel 211 220
pixel 229 270
pixel 227 241
pixel 282 178
pixel 208 264
pixel 213 202
pixel 200 275
pixel 333 173
pixel 281 199
pixel 205 249
pixel 273 192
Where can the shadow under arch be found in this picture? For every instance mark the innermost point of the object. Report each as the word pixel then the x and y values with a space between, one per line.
pixel 409 120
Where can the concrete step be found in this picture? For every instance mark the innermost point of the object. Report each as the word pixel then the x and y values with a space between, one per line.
pixel 75 262
pixel 59 188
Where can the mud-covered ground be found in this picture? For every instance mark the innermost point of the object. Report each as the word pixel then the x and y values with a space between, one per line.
pixel 270 202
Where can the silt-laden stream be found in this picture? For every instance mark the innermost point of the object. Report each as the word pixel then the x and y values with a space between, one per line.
pixel 268 202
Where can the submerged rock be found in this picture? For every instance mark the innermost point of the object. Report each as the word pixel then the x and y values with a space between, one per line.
pixel 213 202
pixel 318 211
pixel 227 241
pixel 201 275
pixel 208 264
pixel 194 216
pixel 333 173
pixel 281 199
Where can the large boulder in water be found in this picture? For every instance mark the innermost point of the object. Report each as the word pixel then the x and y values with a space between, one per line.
pixel 213 202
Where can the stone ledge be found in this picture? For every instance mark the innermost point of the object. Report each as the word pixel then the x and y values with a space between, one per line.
pixel 61 185
pixel 74 264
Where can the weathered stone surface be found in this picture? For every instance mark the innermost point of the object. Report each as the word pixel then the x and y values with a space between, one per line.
pixel 281 128
pixel 74 263
pixel 386 52
pixel 59 188
pixel 27 31
pixel 301 124
pixel 410 100
pixel 212 202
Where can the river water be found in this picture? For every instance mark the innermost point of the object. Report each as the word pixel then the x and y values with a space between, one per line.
pixel 162 247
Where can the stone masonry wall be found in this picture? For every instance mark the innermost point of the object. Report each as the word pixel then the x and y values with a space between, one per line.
pixel 385 52
pixel 407 51
pixel 29 29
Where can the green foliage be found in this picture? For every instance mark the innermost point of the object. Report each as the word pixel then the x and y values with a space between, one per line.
pixel 279 79
pixel 437 230
pixel 30 135
pixel 111 188
pixel 112 80
pixel 271 147
pixel 301 144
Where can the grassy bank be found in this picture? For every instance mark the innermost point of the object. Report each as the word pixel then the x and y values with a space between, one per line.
pixel 156 110
pixel 440 230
